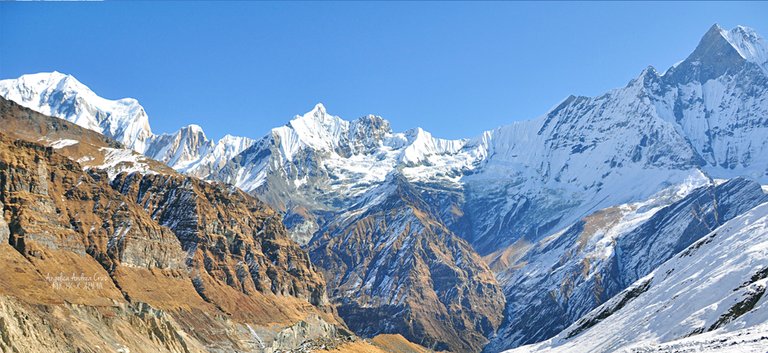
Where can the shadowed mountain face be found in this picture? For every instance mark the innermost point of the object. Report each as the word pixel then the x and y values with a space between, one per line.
pixel 393 267
pixel 707 298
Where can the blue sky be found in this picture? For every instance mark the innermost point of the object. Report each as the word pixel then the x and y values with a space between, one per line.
pixel 453 68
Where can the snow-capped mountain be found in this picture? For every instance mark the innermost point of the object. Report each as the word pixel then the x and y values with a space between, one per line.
pixel 319 164
pixel 63 96
pixel 540 175
pixel 715 285
pixel 590 153
pixel 189 151
pixel 577 183
pixel 706 116
pixel 705 113
pixel 718 101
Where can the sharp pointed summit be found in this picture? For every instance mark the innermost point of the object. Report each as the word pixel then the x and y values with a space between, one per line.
pixel 713 57
pixel 320 108
pixel 569 208
pixel 719 52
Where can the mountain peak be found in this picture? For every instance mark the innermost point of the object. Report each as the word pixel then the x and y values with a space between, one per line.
pixel 719 52
pixel 45 76
pixel 714 38
pixel 317 114
pixel 744 40
pixel 63 96
pixel 371 123
pixel 194 129
pixel 51 81
pixel 715 29
pixel 319 108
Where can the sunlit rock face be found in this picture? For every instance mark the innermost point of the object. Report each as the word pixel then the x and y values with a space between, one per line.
pixel 157 262
pixel 504 193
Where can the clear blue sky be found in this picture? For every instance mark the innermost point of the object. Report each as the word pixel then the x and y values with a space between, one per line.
pixel 454 68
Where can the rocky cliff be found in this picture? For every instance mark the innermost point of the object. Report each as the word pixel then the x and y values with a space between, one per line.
pixel 92 270
pixel 229 237
pixel 394 268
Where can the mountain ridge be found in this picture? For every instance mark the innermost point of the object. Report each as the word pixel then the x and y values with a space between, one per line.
pixel 514 186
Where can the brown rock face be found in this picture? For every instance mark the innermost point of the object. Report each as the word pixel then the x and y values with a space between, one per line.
pixel 50 204
pixel 86 268
pixel 394 268
pixel 229 235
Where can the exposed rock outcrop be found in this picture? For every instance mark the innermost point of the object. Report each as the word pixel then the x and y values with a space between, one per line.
pixel 394 268
pixel 82 260
pixel 233 237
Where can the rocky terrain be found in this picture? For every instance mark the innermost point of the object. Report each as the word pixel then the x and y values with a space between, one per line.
pixel 229 237
pixel 394 268
pixel 90 149
pixel 570 211
pixel 92 263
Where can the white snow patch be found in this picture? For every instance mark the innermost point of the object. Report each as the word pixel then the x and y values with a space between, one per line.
pixel 62 143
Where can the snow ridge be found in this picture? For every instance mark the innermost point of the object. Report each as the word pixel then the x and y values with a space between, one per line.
pixel 750 45
pixel 525 183
pixel 124 120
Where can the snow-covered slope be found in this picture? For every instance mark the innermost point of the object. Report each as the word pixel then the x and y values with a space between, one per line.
pixel 585 154
pixel 716 284
pixel 319 164
pixel 752 339
pixel 553 283
pixel 62 96
pixel 748 43
pixel 702 119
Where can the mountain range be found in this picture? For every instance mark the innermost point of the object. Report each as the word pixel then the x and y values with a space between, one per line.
pixel 544 234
